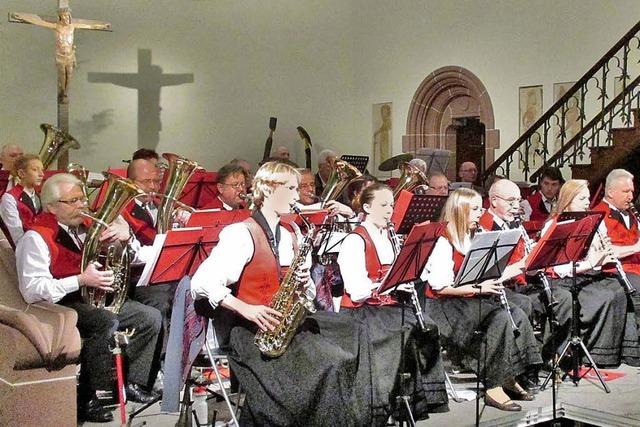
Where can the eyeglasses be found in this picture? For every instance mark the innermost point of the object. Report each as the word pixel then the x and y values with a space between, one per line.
pixel 514 201
pixel 74 201
pixel 237 186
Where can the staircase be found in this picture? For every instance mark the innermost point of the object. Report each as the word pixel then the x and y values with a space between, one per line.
pixel 593 128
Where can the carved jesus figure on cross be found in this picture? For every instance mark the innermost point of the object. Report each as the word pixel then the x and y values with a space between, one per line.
pixel 64 28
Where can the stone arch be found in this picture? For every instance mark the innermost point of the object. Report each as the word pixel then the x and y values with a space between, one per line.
pixel 447 94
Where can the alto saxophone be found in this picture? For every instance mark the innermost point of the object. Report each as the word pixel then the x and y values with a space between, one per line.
pixel 290 300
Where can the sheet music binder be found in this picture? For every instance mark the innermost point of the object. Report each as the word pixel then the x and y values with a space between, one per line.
pixel 413 209
pixel 488 256
pixel 359 162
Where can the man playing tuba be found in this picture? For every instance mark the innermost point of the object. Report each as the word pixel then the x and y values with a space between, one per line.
pixel 48 259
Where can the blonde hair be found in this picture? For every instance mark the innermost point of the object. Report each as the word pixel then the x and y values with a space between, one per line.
pixel 456 213
pixel 268 177
pixel 568 192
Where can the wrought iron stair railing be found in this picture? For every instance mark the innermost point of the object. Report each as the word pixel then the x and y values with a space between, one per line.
pixel 597 133
pixel 580 105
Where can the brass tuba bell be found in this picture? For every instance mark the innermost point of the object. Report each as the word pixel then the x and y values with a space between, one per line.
pixel 120 191
pixel 411 176
pixel 342 174
pixel 179 171
pixel 55 143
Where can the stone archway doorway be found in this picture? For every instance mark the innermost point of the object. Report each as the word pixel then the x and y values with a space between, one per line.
pixel 452 110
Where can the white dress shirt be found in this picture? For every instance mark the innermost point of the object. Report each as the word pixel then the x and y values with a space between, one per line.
pixel 439 269
pixel 150 208
pixel 11 217
pixel 352 262
pixel 227 260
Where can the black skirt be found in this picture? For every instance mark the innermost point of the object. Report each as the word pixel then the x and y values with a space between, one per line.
pixel 423 361
pixel 607 321
pixel 323 379
pixel 503 355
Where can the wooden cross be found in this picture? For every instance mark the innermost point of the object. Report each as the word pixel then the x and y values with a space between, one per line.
pixel 64 27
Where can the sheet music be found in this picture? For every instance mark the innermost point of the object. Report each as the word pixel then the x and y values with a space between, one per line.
pixel 156 248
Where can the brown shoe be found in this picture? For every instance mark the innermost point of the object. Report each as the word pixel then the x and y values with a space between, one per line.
pixel 518 395
pixel 509 405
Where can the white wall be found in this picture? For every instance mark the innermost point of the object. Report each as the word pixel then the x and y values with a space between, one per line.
pixel 316 63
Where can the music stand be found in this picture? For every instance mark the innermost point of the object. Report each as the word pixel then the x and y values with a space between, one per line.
pixel 413 209
pixel 217 218
pixel 487 258
pixel 360 162
pixel 200 189
pixel 436 160
pixel 563 243
pixel 407 268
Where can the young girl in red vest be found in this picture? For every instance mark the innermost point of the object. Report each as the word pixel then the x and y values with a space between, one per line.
pixel 607 327
pixel 323 377
pixel 366 255
pixel 503 354
pixel 20 205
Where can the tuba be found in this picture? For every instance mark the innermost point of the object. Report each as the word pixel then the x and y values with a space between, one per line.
pixel 120 191
pixel 82 174
pixel 290 300
pixel 411 176
pixel 180 170
pixel 55 143
pixel 342 175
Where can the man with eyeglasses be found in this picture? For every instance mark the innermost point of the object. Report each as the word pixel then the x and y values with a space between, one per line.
pixel 232 184
pixel 438 185
pixel 48 260
pixel 504 213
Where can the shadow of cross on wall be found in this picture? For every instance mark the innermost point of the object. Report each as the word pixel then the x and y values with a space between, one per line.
pixel 148 81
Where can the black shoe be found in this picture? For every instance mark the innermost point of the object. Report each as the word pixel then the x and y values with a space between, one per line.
pixel 93 412
pixel 135 393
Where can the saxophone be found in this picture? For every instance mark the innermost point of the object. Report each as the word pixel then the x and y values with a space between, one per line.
pixel 290 300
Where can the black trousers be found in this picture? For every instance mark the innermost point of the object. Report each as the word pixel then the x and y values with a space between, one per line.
pixel 96 328
pixel 160 297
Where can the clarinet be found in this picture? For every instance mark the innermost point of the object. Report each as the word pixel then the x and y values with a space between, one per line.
pixel 504 303
pixel 528 247
pixel 622 275
pixel 415 302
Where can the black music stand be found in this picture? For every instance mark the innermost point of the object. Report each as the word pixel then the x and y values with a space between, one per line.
pixel 563 243
pixel 407 268
pixel 413 209
pixel 487 258
pixel 437 160
pixel 360 162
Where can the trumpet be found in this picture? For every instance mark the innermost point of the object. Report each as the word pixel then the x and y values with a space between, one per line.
pixel 607 247
pixel 415 302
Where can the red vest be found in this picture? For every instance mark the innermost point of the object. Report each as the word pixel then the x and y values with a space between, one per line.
pixel 260 278
pixel 375 271
pixel 458 258
pixel 141 223
pixel 487 222
pixel 65 255
pixel 538 208
pixel 214 203
pixel 620 235
pixel 27 215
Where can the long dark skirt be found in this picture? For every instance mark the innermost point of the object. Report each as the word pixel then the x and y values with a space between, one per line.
pixel 423 361
pixel 323 379
pixel 557 335
pixel 502 355
pixel 607 322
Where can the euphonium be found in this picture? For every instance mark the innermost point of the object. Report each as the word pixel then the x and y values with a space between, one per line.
pixel 55 143
pixel 290 300
pixel 411 176
pixel 179 171
pixel 342 175
pixel 82 174
pixel 120 191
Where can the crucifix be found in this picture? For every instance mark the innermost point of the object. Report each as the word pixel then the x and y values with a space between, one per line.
pixel 64 27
